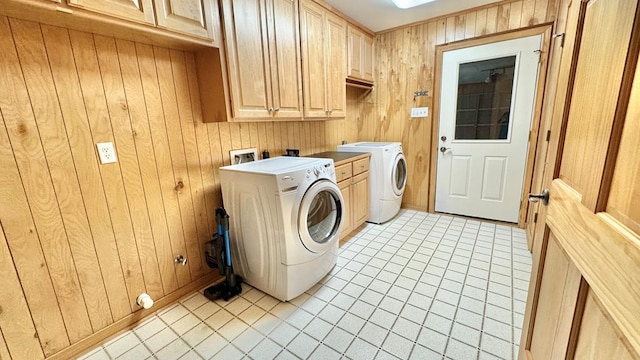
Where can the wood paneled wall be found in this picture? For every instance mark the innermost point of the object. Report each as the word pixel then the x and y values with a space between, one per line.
pixel 360 110
pixel 405 59
pixel 79 241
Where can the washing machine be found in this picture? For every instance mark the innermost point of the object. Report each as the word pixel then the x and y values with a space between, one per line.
pixel 285 219
pixel 387 177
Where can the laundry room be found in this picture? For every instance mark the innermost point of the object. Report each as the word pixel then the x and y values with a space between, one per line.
pixel 319 179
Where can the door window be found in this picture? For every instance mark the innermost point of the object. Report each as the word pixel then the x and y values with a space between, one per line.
pixel 484 99
pixel 323 217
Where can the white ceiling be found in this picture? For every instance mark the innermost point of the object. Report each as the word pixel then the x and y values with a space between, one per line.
pixel 380 15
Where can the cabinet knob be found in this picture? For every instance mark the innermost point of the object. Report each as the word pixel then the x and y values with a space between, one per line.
pixel 270 109
pixel 276 109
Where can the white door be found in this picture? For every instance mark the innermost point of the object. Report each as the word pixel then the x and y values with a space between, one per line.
pixel 486 106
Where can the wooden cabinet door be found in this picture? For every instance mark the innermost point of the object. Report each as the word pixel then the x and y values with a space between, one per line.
pixel 368 64
pixel 336 66
pixel 584 294
pixel 355 38
pixel 248 58
pixel 135 10
pixel 191 17
pixel 347 216
pixel 361 198
pixel 314 81
pixel 359 54
pixel 286 72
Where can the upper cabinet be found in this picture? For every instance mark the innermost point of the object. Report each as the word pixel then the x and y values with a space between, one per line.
pixel 263 53
pixel 360 55
pixel 190 17
pixel 324 63
pixel 134 10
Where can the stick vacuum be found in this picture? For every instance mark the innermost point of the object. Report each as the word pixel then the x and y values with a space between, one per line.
pixel 218 255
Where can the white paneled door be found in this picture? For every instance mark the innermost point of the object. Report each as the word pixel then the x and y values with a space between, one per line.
pixel 486 106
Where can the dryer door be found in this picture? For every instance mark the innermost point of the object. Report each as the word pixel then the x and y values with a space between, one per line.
pixel 399 174
pixel 320 216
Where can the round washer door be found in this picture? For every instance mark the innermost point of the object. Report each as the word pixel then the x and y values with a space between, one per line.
pixel 399 174
pixel 320 216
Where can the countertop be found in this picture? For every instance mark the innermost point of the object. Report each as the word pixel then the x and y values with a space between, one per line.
pixel 340 157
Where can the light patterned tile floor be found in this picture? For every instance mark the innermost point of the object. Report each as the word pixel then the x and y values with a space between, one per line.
pixel 421 286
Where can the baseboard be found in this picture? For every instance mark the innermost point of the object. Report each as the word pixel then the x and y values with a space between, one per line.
pixel 130 321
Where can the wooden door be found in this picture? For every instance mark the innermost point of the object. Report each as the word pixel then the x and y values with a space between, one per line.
pixel 355 38
pixel 347 216
pixel 248 58
pixel 559 68
pixel 312 20
pixel 286 72
pixel 336 63
pixel 359 54
pixel 367 58
pixel 191 17
pixel 134 10
pixel 583 300
pixel 361 196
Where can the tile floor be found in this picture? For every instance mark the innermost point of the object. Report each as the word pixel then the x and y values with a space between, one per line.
pixel 421 286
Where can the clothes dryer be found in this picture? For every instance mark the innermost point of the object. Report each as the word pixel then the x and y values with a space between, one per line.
pixel 285 215
pixel 387 177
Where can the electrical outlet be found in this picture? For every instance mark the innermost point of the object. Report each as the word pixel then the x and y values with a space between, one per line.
pixel 107 153
pixel 419 112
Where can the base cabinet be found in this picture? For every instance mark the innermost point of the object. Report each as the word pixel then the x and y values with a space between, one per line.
pixel 353 181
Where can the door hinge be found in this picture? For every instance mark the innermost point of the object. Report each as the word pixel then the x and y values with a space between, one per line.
pixel 561 36
pixel 548 135
pixel 535 218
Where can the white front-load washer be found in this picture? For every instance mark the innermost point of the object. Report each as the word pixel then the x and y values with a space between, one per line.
pixel 285 215
pixel 387 177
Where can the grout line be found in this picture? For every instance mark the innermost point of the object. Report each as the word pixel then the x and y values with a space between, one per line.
pixel 408 234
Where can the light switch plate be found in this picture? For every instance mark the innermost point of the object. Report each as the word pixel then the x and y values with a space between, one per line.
pixel 107 153
pixel 419 112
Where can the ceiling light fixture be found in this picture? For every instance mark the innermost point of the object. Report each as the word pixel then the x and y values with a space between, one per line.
pixel 406 4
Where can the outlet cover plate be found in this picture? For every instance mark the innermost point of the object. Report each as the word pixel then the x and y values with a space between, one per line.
pixel 419 112
pixel 107 153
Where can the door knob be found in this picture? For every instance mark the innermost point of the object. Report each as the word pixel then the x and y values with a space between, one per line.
pixel 444 149
pixel 544 196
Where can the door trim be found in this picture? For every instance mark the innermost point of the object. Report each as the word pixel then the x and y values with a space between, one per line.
pixel 545 31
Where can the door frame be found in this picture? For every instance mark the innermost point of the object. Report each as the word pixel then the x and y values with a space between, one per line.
pixel 545 31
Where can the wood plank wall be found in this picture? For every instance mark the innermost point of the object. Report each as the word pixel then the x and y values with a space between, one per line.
pixel 405 59
pixel 360 110
pixel 79 240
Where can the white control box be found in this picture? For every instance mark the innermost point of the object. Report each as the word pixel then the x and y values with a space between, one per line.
pixel 419 112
